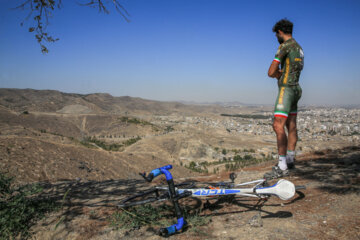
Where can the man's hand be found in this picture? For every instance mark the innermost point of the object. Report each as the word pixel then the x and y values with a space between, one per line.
pixel 278 74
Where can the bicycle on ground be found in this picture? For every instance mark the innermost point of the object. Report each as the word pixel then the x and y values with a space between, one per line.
pixel 260 188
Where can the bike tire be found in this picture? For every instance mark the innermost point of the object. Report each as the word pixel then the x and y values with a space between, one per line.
pixel 148 196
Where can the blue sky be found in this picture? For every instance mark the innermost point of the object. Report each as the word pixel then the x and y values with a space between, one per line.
pixel 189 50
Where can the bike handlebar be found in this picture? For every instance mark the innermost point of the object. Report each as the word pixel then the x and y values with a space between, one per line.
pixel 173 196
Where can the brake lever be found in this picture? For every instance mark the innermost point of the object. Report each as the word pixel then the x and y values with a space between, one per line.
pixel 148 178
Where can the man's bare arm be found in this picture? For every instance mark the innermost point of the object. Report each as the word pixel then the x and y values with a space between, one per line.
pixel 274 71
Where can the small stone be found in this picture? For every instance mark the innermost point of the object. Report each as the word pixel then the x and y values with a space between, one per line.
pixel 256 220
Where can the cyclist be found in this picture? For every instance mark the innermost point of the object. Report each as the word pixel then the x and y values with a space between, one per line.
pixel 291 58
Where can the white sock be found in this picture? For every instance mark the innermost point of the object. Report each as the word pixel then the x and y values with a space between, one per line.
pixel 290 156
pixel 282 162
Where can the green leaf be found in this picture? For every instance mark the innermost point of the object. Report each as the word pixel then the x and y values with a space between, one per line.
pixel 44 49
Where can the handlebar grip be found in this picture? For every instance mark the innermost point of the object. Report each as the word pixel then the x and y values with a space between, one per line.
pixel 165 232
pixel 148 178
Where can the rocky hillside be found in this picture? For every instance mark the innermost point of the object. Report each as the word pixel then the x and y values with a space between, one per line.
pixel 48 135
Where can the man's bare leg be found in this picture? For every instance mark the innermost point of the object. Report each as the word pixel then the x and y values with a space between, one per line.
pixel 292 132
pixel 282 140
pixel 292 140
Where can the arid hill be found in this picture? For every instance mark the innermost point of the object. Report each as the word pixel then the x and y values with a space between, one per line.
pixel 44 135
pixel 48 135
pixel 31 100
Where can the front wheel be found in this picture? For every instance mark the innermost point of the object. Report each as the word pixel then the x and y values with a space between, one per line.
pixel 156 194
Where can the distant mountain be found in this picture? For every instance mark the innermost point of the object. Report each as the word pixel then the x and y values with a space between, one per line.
pixel 226 104
pixel 214 103
pixel 20 100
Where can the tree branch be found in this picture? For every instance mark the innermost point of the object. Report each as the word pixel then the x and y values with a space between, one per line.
pixel 42 9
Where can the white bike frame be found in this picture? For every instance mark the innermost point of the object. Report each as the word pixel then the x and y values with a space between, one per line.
pixel 283 189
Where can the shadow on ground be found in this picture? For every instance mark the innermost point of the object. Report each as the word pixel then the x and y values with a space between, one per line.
pixel 75 198
pixel 248 205
pixel 334 171
pixel 92 193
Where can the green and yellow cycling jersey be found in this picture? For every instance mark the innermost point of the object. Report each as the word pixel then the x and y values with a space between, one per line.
pixel 291 57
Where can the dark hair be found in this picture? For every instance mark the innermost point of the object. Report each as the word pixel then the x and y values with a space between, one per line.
pixel 284 25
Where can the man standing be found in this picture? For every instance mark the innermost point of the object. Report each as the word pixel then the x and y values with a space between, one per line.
pixel 291 57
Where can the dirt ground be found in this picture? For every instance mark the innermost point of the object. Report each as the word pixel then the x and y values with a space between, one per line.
pixel 329 207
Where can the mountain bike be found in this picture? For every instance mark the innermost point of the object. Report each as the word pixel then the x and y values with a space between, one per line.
pixel 283 189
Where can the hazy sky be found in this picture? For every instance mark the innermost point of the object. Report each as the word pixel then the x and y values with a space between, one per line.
pixel 192 50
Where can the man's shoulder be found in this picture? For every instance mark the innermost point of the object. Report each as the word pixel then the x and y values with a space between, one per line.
pixel 292 43
pixel 287 45
pixel 283 47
